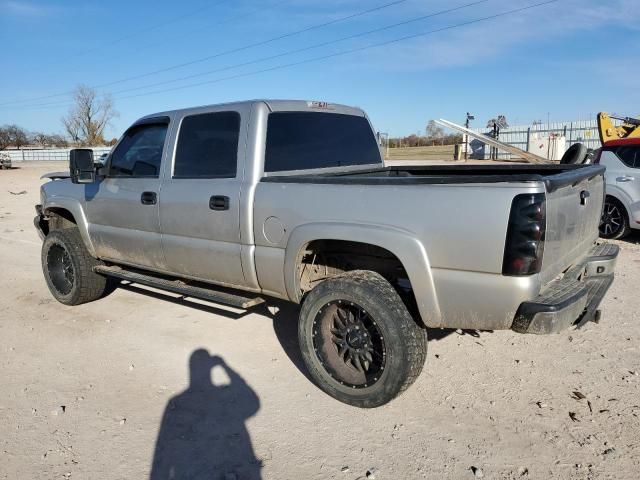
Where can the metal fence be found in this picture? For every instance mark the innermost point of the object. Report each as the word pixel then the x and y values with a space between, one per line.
pixel 584 131
pixel 48 154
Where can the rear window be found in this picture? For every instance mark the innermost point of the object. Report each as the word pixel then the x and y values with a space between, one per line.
pixel 307 140
pixel 627 154
pixel 208 146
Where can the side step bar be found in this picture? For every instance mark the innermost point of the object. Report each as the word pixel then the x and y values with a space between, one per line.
pixel 211 294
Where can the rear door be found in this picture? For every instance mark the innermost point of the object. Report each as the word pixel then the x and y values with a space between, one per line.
pixel 200 204
pixel 122 207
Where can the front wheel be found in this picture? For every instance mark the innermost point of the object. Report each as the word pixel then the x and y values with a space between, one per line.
pixel 68 269
pixel 614 223
pixel 359 341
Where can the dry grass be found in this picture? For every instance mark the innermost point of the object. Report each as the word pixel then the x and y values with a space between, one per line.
pixel 444 152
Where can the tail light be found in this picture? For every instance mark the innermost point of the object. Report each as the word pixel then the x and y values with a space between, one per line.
pixel 525 235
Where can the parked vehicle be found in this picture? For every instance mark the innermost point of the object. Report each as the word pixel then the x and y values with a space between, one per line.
pixel 621 212
pixel 5 161
pixel 243 202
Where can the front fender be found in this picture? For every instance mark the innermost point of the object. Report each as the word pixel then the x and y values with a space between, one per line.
pixel 74 206
pixel 408 249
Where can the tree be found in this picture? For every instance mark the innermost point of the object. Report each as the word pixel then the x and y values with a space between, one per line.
pixel 89 116
pixel 46 140
pixel 434 132
pixel 14 136
pixel 500 122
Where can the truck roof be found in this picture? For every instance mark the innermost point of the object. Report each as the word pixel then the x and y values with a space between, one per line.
pixel 273 105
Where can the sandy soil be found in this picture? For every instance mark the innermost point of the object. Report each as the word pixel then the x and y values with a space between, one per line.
pixel 99 391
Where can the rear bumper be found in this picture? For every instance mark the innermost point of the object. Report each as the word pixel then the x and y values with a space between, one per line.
pixel 572 300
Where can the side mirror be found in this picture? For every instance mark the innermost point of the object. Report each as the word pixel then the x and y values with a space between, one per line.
pixel 81 165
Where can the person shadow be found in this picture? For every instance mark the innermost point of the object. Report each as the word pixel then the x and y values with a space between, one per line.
pixel 203 433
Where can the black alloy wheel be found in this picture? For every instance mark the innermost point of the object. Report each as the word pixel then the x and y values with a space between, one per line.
pixel 349 344
pixel 60 269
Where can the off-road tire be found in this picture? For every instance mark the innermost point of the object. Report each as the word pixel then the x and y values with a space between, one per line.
pixel 623 229
pixel 405 341
pixel 87 285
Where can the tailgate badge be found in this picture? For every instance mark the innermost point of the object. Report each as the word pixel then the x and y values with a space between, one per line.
pixel 583 197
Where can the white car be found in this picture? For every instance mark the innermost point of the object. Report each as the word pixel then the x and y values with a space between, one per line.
pixel 621 212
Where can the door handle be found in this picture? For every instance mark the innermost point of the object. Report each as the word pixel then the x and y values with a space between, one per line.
pixel 219 202
pixel 625 178
pixel 149 198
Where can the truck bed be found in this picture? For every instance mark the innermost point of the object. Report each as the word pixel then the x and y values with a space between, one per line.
pixel 459 214
pixel 554 176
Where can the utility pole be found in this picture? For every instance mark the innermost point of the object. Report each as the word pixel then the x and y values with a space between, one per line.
pixel 466 137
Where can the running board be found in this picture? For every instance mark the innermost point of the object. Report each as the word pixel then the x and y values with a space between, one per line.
pixel 211 294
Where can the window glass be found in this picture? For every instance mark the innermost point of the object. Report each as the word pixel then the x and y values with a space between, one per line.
pixel 208 146
pixel 306 140
pixel 629 155
pixel 139 154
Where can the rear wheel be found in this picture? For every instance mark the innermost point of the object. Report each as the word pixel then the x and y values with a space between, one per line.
pixel 68 269
pixel 614 223
pixel 359 341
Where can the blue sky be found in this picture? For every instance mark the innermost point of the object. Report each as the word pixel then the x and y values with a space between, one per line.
pixel 569 59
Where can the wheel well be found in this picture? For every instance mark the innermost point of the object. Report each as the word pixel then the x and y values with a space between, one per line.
pixel 58 219
pixel 322 259
pixel 619 202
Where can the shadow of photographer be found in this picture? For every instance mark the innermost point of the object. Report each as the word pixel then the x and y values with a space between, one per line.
pixel 203 432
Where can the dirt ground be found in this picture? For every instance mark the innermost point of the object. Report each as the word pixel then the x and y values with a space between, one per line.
pixel 98 391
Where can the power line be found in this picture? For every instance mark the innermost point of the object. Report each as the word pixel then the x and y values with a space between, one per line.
pixel 303 49
pixel 220 54
pixel 194 31
pixel 152 27
pixel 290 52
pixel 344 52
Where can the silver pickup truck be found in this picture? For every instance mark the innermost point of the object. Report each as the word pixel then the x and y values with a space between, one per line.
pixel 245 202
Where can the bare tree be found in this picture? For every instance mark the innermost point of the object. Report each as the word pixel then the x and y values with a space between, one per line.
pixel 496 124
pixel 500 122
pixel 14 136
pixel 89 116
pixel 72 126
pixel 434 132
pixel 47 140
pixel 4 138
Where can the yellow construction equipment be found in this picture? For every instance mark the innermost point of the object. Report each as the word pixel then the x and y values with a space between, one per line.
pixel 630 127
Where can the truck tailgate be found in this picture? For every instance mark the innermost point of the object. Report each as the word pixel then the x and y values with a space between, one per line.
pixel 574 207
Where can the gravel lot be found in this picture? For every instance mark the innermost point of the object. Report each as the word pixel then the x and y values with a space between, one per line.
pixel 98 391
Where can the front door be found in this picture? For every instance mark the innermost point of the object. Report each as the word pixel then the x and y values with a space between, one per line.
pixel 122 207
pixel 200 203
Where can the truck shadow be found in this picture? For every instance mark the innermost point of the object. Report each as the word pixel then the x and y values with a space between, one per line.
pixel 285 326
pixel 203 432
pixel 285 322
pixel 633 238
